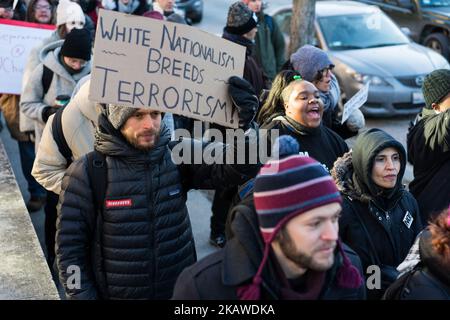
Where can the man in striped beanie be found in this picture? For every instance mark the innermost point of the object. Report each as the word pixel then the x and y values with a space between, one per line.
pixel 286 247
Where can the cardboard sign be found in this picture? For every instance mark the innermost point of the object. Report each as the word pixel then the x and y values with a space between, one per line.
pixel 355 102
pixel 143 62
pixel 17 38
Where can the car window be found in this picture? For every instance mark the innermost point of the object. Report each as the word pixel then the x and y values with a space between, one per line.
pixel 435 3
pixel 360 31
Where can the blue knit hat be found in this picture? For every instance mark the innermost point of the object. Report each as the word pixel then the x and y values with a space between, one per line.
pixel 309 60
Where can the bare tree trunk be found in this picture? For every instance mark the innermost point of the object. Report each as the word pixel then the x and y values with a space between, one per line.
pixel 302 24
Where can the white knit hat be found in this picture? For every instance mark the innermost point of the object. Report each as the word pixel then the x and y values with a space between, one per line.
pixel 70 13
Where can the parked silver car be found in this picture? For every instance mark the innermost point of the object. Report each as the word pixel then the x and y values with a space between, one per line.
pixel 365 45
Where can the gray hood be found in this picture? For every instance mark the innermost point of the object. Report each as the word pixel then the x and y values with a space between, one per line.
pixel 49 56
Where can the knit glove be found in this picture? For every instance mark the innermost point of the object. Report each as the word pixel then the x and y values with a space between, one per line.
pixel 244 99
pixel 47 112
pixel 355 121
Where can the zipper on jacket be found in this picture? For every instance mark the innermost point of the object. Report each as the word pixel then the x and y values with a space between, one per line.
pixel 152 246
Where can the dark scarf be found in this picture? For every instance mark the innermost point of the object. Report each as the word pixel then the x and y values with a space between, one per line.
pixel 70 70
pixel 240 40
pixel 301 129
pixel 306 287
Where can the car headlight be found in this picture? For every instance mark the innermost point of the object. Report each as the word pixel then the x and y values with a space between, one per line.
pixel 374 80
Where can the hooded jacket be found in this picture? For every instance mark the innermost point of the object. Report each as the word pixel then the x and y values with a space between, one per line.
pixel 219 275
pixel 136 251
pixel 320 143
pixel 391 217
pixel 78 122
pixel 429 152
pixel 33 100
pixel 270 46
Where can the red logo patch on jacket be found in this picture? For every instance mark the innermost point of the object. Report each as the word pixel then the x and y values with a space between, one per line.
pixel 120 203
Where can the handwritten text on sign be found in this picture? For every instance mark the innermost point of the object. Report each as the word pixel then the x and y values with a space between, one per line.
pixel 143 62
pixel 17 38
pixel 355 102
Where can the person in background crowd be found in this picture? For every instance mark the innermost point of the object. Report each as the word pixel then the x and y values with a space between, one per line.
pixel 285 243
pixel 136 7
pixel 315 66
pixel 69 16
pixel 269 41
pixel 430 277
pixel 141 257
pixel 41 11
pixel 69 61
pixel 300 116
pixel 241 28
pixel 9 105
pixel 380 219
pixel 428 141
pixel 78 122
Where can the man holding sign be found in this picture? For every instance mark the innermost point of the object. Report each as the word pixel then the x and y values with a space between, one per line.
pixel 139 239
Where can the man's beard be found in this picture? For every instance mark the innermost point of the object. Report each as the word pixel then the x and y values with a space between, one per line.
pixel 301 259
pixel 134 141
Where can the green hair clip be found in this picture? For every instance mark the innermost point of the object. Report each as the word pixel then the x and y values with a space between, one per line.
pixel 297 77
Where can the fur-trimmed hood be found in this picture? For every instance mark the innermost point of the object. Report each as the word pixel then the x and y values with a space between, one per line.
pixel 342 174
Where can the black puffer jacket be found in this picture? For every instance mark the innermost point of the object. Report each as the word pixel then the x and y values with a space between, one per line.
pixel 219 275
pixel 142 246
pixel 382 215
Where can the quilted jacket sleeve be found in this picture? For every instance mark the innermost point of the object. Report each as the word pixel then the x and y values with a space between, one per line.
pixel 74 229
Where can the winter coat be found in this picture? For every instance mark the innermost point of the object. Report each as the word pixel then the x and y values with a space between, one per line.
pixel 320 143
pixel 219 275
pixel 9 106
pixel 136 251
pixel 252 70
pixel 392 220
pixel 270 46
pixel 429 152
pixel 33 100
pixel 26 123
pixel 78 122
pixel 429 280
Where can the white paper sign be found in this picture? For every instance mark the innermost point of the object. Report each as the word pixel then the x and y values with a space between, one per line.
pixel 17 38
pixel 355 102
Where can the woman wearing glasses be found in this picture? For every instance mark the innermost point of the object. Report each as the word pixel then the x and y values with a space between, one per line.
pixel 315 66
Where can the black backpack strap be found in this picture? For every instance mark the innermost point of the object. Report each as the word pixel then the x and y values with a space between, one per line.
pixel 58 136
pixel 47 76
pixel 97 172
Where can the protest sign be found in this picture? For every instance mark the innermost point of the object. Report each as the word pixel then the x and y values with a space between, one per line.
pixel 174 68
pixel 17 38
pixel 355 102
